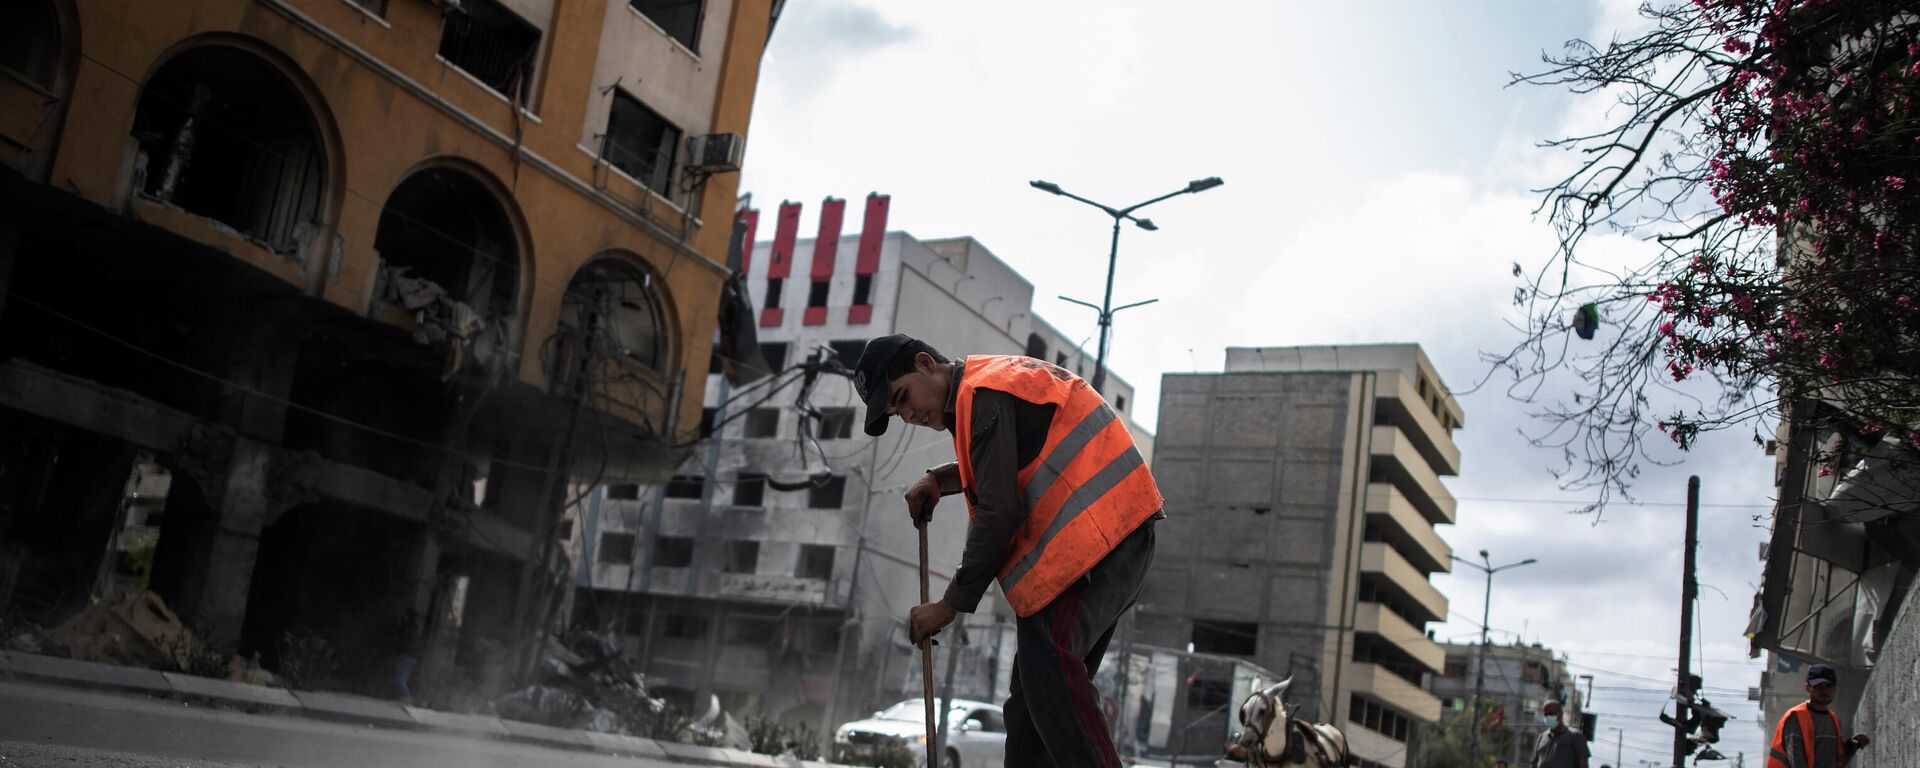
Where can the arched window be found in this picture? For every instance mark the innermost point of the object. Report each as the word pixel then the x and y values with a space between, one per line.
pixel 623 303
pixel 223 134
pixel 444 226
pixel 30 43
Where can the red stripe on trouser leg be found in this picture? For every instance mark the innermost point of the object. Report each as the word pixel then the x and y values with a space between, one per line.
pixel 1079 688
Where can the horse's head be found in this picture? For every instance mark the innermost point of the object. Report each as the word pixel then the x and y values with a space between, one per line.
pixel 1263 718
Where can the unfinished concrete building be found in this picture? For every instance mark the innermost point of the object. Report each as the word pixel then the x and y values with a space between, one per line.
pixel 775 571
pixel 373 285
pixel 1306 481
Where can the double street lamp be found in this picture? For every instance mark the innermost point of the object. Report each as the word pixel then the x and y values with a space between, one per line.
pixel 1487 567
pixel 1106 308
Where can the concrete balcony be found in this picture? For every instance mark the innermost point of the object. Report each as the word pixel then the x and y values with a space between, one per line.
pixel 1380 558
pixel 1409 531
pixel 1375 619
pixel 1398 462
pixel 1401 402
pixel 1393 690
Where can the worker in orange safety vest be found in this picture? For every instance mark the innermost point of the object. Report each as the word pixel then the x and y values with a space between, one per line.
pixel 1061 513
pixel 1808 736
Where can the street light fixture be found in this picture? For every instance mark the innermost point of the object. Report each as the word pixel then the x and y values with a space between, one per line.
pixel 1106 307
pixel 1487 567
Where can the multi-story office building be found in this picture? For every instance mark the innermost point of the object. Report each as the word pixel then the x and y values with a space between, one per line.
pixel 1304 487
pixel 1519 680
pixel 374 281
pixel 777 568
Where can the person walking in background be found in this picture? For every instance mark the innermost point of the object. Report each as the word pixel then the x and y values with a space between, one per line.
pixel 1560 746
pixel 1808 736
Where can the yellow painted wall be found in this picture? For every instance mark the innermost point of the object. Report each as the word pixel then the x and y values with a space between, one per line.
pixel 387 106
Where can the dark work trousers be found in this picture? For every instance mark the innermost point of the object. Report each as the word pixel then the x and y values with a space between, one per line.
pixel 1053 712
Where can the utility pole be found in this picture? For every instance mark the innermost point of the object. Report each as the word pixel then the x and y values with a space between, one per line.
pixel 1619 746
pixel 1688 590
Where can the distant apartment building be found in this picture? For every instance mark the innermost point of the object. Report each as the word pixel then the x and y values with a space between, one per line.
pixel 370 283
pixel 776 569
pixel 1520 679
pixel 1303 487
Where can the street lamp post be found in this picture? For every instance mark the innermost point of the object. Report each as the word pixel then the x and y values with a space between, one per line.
pixel 1480 668
pixel 1106 308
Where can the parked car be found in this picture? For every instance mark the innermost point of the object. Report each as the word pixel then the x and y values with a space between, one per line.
pixel 976 733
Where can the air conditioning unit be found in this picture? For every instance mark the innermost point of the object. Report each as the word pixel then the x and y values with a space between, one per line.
pixel 715 152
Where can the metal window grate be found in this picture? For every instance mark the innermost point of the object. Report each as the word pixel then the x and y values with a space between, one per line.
pixel 492 44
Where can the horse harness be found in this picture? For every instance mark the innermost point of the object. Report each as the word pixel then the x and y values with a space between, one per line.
pixel 1300 736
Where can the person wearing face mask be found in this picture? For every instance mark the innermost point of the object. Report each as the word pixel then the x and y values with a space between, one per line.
pixel 1808 736
pixel 1559 746
pixel 1061 513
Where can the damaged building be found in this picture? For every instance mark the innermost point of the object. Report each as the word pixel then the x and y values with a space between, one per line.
pixel 314 314
pixel 773 573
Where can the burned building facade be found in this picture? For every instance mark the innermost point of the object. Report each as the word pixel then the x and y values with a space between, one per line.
pixel 773 573
pixel 337 303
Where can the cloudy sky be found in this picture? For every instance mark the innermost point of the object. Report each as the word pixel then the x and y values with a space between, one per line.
pixel 1377 172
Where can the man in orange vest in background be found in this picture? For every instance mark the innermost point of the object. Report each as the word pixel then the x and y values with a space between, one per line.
pixel 1062 510
pixel 1808 736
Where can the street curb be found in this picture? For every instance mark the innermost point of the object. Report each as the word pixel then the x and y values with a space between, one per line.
pixel 84 674
pixel 360 710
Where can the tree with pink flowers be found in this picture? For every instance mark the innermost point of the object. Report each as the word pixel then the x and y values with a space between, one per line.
pixel 1770 154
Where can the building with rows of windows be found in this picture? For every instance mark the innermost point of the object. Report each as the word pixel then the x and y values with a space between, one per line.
pixel 775 571
pixel 369 284
pixel 1307 480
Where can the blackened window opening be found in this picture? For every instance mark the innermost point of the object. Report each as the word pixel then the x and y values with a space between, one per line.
pixel 817 293
pixel 743 556
pixel 763 422
pixel 673 552
pixel 774 286
pixel 489 42
pixel 224 135
pixel 829 494
pixel 443 226
pixel 775 353
pixel 616 548
pixel 847 352
pixel 680 19
pixel 862 290
pixel 686 486
pixel 816 562
pixel 1231 638
pixel 749 489
pixel 1036 346
pixel 30 42
pixel 834 424
pixel 640 143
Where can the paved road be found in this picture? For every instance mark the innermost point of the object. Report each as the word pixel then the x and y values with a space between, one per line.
pixel 45 726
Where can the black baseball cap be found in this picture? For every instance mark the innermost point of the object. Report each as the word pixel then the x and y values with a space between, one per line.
pixel 1821 674
pixel 870 378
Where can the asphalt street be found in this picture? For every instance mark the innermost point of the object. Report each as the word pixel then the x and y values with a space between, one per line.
pixel 46 726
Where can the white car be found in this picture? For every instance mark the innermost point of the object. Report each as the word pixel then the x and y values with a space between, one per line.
pixel 976 733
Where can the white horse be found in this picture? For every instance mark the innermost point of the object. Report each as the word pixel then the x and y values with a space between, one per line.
pixel 1271 739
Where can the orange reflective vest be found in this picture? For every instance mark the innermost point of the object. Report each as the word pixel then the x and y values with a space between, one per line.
pixel 1086 490
pixel 1803 716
